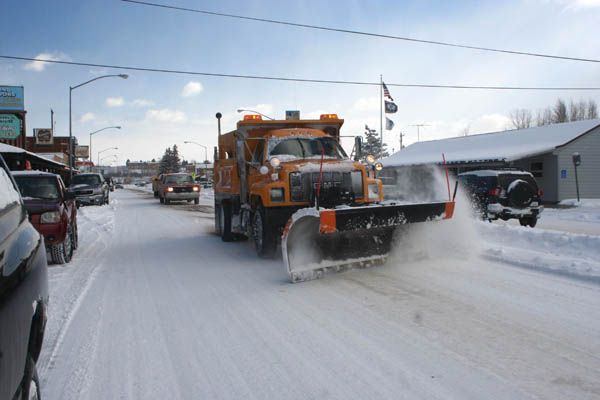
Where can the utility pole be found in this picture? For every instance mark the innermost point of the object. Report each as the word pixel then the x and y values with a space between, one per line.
pixel 381 109
pixel 418 131
pixel 401 145
pixel 52 121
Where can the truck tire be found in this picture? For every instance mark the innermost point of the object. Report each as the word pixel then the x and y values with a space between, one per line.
pixel 196 201
pixel 264 240
pixel 155 194
pixel 162 200
pixel 63 252
pixel 528 221
pixel 74 237
pixel 217 219
pixel 167 201
pixel 225 220
pixel 30 386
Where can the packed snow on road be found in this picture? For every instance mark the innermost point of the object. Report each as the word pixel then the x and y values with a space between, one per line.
pixel 155 306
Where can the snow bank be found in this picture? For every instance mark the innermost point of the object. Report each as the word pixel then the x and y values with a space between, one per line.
pixel 554 251
pixel 587 203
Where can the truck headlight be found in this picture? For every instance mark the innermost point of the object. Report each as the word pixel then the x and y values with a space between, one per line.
pixel 373 191
pixel 50 217
pixel 378 166
pixel 370 158
pixel 169 189
pixel 275 162
pixel 277 194
pixel 196 188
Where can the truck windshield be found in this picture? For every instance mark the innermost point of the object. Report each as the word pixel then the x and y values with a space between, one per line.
pixel 86 180
pixel 45 188
pixel 297 148
pixel 179 179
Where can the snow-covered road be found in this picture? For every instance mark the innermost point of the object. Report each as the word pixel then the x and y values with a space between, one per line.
pixel 155 306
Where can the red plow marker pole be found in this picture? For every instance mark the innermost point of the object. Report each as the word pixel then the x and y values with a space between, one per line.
pixel 447 178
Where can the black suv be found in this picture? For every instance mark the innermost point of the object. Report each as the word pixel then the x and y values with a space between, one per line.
pixel 23 294
pixel 89 188
pixel 504 194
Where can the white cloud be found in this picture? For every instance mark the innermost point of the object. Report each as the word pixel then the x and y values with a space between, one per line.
pixel 114 101
pixel 367 104
pixel 192 88
pixel 88 116
pixel 39 66
pixel 579 4
pixel 142 103
pixel 166 115
pixel 266 109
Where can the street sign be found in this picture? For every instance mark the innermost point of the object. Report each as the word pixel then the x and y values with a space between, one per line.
pixel 563 174
pixel 43 136
pixel 82 151
pixel 292 114
pixel 11 98
pixel 10 126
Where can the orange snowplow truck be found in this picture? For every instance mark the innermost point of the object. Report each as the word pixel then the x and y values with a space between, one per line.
pixel 290 182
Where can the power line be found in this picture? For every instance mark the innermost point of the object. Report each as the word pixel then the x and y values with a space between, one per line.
pixel 350 31
pixel 279 78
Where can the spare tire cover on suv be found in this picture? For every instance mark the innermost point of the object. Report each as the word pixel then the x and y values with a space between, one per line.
pixel 520 193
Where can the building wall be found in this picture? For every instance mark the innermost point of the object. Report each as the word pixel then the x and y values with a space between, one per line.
pixel 588 172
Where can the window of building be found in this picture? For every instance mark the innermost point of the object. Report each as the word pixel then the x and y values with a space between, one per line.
pixel 537 169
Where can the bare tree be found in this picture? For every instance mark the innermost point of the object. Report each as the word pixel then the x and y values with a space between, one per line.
pixel 592 110
pixel 521 118
pixel 559 112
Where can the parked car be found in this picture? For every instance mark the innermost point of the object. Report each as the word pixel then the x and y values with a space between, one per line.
pixel 52 211
pixel 23 294
pixel 504 194
pixel 90 188
pixel 118 186
pixel 178 186
pixel 110 183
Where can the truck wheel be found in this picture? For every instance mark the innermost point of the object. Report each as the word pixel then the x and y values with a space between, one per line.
pixel 155 194
pixel 264 240
pixel 167 202
pixel 30 386
pixel 74 237
pixel 225 221
pixel 162 200
pixel 217 219
pixel 61 253
pixel 196 201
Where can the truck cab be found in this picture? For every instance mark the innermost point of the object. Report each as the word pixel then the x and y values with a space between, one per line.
pixel 265 171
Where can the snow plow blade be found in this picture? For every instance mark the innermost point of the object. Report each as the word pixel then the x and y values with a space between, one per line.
pixel 317 241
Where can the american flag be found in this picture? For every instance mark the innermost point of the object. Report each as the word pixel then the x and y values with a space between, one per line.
pixel 386 92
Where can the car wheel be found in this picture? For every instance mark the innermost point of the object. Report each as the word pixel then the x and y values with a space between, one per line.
pixel 532 222
pixel 74 237
pixel 225 220
pixel 264 240
pixel 167 201
pixel 62 253
pixel 30 386
pixel 155 194
pixel 162 200
pixel 196 201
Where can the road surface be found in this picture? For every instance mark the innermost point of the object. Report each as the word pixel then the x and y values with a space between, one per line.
pixel 155 306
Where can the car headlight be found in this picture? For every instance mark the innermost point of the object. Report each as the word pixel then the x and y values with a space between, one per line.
pixel 370 158
pixel 196 188
pixel 277 194
pixel 50 217
pixel 275 162
pixel 373 191
pixel 169 189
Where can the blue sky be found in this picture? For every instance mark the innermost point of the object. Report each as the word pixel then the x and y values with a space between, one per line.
pixel 155 110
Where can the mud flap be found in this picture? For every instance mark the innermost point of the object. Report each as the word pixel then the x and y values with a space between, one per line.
pixel 317 241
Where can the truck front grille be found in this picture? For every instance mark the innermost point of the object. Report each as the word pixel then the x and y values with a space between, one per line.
pixel 337 187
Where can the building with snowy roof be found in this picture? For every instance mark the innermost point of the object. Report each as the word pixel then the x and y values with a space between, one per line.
pixel 546 151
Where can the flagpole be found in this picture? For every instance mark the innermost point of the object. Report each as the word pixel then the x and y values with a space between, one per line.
pixel 381 112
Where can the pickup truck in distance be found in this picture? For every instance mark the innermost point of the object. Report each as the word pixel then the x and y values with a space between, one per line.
pixel 181 186
pixel 23 294
pixel 52 211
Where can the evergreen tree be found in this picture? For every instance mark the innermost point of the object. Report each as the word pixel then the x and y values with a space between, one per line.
pixel 372 145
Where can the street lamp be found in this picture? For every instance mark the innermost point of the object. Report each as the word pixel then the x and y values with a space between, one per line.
pixel 102 151
pixel 114 156
pixel 71 88
pixel 201 145
pixel 256 112
pixel 99 130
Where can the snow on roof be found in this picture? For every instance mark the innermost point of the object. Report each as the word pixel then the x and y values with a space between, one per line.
pixel 491 172
pixel 32 173
pixel 496 146
pixel 7 148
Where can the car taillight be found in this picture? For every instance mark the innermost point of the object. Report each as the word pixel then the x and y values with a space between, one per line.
pixel 540 193
pixel 169 189
pixel 196 188
pixel 494 192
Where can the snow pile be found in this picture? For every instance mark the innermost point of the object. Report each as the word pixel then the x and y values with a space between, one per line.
pixel 553 251
pixel 585 203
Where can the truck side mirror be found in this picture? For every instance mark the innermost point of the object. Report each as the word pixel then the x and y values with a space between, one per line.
pixel 357 148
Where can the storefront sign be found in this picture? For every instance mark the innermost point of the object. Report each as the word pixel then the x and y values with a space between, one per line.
pixel 82 151
pixel 10 126
pixel 43 136
pixel 11 98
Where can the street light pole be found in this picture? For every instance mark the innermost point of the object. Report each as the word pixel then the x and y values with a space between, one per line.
pixel 93 133
pixel 71 88
pixel 201 145
pixel 102 151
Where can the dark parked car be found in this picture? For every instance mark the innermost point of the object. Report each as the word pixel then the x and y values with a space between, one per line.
pixel 89 189
pixel 51 210
pixel 504 194
pixel 23 294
